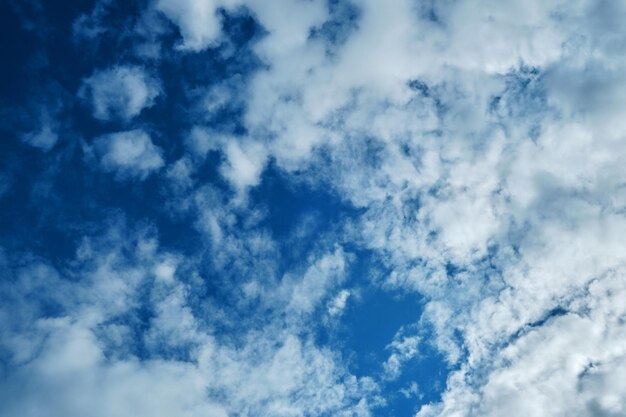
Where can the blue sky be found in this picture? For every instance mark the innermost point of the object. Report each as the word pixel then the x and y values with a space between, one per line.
pixel 286 208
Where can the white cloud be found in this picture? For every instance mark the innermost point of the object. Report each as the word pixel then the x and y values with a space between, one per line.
pixel 120 92
pixel 128 154
pixel 244 160
pixel 90 26
pixel 200 141
pixel 244 164
pixel 338 303
pixel 72 378
pixel 313 287
pixel 411 391
pixel 197 20
pixel 403 348
pixel 46 136
pixel 44 139
pixel 180 172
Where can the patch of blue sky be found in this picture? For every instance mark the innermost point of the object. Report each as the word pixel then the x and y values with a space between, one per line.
pixel 295 204
pixel 364 332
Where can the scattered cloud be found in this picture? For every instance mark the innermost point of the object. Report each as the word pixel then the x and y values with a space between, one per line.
pixel 44 139
pixel 403 348
pixel 198 21
pixel 338 303
pixel 120 92
pixel 128 154
pixel 477 148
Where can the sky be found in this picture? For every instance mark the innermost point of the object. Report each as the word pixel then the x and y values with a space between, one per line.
pixel 320 208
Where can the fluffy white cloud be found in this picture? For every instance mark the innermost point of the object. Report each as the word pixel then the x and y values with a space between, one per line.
pixel 120 92
pixel 198 20
pixel 128 154
pixel 244 164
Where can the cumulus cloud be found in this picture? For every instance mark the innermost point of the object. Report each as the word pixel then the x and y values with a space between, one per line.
pixel 120 92
pixel 198 21
pixel 128 154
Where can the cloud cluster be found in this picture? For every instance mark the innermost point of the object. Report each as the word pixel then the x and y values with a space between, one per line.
pixel 481 146
pixel 484 142
pixel 117 333
pixel 120 92
pixel 128 154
